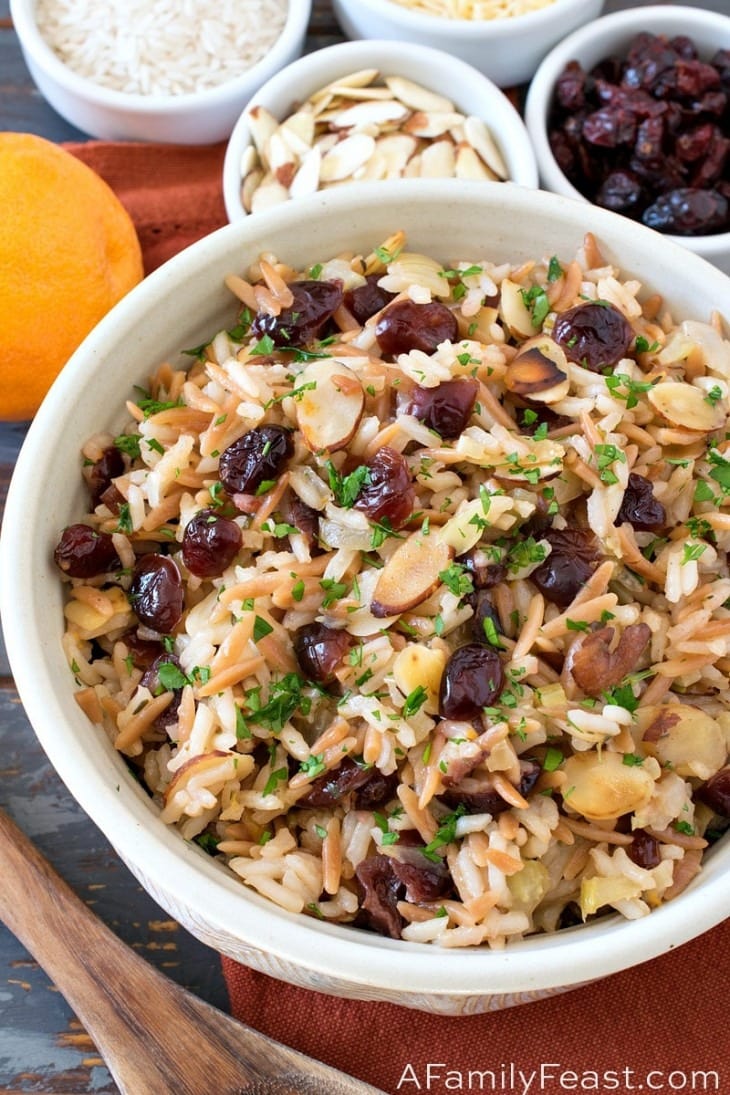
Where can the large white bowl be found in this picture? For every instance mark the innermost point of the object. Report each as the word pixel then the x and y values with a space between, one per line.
pixel 506 50
pixel 180 305
pixel 468 89
pixel 610 35
pixel 201 117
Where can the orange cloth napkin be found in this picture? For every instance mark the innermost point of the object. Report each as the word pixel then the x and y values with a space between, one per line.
pixel 173 193
pixel 662 1025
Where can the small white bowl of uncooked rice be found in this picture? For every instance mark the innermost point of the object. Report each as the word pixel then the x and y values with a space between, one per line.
pixel 154 69
pixel 504 39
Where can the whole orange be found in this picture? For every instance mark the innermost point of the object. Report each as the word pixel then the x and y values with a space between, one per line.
pixel 68 252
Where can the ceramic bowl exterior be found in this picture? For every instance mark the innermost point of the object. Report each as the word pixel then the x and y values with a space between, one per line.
pixel 197 118
pixel 506 50
pixel 180 305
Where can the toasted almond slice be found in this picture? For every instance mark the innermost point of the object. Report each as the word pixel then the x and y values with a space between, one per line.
pixel 410 575
pixel 329 412
pixel 302 124
pixel 683 405
pixel 412 170
pixel 325 141
pixel 267 194
pixel 249 186
pixel 249 160
pixel 482 141
pixel 343 160
pixel 434 124
pixel 417 97
pixel 416 665
pixel 396 149
pixel 306 180
pixel 470 166
pixel 438 160
pixel 262 124
pixel 375 168
pixel 539 372
pixel 362 78
pixel 514 311
pixel 277 152
pixel 377 112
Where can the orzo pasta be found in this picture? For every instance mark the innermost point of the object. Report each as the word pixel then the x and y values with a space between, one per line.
pixel 409 599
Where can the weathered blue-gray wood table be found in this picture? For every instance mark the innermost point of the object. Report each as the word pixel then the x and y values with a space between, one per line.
pixel 43 1048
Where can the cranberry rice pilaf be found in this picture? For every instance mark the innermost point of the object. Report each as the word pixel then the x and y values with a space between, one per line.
pixel 408 600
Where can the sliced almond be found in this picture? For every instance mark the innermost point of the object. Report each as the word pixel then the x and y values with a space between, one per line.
pixel 328 412
pixel 470 166
pixel 396 149
pixel 306 180
pixel 483 143
pixel 298 132
pixel 514 311
pixel 410 575
pixel 417 97
pixel 539 372
pixel 267 194
pixel 250 186
pixel 418 665
pixel 683 405
pixel 377 112
pixel 438 160
pixel 263 125
pixel 249 160
pixel 342 161
pixel 434 124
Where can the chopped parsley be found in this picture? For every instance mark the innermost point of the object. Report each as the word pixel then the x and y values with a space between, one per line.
pixel 347 487
pixel 279 775
pixel 445 834
pixel 536 301
pixel 414 701
pixel 457 580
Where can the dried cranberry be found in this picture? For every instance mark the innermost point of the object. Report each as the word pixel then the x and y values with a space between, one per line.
pixel 472 680
pixel 478 796
pixel 644 850
pixel 484 611
pixel 151 679
pixel 715 793
pixel 423 880
pixel 365 300
pixel 332 786
pixel 621 192
pixel 389 493
pixel 314 303
pixel 82 552
pixel 156 593
pixel 303 518
pixel 445 408
pixel 319 650
pixel 99 476
pixel 639 507
pixel 258 456
pixel 143 652
pixel 408 326
pixel 210 543
pixel 484 575
pixel 381 893
pixel 570 87
pixel 688 212
pixel 376 791
pixel 608 128
pixel 594 335
pixel 569 565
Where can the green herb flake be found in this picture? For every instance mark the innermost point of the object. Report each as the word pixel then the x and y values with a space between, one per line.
pixel 129 444
pixel 297 590
pixel 414 701
pixel 261 628
pixel 347 487
pixel 314 765
pixel 279 775
pixel 555 270
pixel 552 760
pixel 457 580
pixel 692 552
pixel 632 760
pixel 536 301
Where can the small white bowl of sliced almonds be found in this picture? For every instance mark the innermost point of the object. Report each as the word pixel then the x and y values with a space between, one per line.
pixel 364 111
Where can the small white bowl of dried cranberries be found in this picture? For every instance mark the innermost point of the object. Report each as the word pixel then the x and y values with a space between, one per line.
pixel 632 113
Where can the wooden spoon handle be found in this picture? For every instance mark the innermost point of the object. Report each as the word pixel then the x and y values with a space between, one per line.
pixel 156 1038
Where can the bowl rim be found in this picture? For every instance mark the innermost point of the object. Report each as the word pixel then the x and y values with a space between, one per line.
pixel 371 52
pixel 33 43
pixel 626 23
pixel 123 812
pixel 454 29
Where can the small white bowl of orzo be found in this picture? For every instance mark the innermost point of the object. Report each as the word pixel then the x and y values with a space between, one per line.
pixel 376 602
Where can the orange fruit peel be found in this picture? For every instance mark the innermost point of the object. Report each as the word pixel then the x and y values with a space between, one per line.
pixel 68 252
